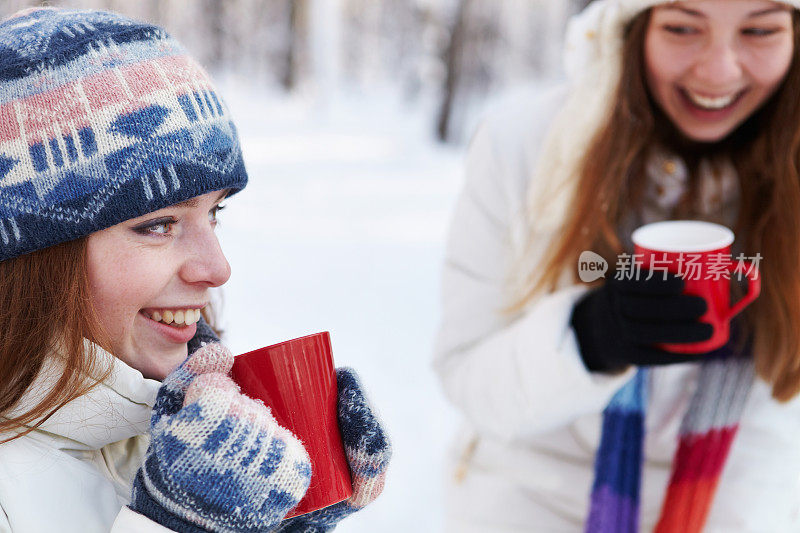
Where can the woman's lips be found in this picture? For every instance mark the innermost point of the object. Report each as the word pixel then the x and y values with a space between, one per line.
pixel 709 115
pixel 178 335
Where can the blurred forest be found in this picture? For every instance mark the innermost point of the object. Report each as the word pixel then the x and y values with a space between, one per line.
pixel 451 52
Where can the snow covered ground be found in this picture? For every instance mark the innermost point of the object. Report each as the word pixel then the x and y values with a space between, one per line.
pixel 342 229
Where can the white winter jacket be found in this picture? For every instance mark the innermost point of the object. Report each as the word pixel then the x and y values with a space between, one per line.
pixel 523 461
pixel 74 473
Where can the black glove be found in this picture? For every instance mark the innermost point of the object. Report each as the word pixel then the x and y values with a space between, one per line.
pixel 618 324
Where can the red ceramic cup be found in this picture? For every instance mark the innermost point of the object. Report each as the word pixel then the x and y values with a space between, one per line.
pixel 699 252
pixel 296 379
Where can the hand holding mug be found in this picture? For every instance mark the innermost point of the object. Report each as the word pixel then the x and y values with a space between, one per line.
pixel 368 453
pixel 217 460
pixel 655 316
pixel 622 322
pixel 329 411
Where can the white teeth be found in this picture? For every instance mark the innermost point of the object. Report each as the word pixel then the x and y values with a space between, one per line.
pixel 711 103
pixel 179 318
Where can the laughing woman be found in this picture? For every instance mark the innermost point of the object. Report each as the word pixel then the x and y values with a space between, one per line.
pixel 116 410
pixel 674 110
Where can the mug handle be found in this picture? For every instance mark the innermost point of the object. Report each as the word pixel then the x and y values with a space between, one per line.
pixel 753 287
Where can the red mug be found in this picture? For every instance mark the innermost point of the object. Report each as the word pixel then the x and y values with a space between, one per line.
pixel 699 252
pixel 296 379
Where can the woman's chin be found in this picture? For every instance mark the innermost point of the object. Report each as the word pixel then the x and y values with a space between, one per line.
pixel 167 364
pixel 157 364
pixel 706 135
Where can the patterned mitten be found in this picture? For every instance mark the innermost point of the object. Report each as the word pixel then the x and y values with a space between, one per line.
pixel 218 460
pixel 204 335
pixel 368 452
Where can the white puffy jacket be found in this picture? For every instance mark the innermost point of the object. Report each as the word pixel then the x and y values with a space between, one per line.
pixel 523 461
pixel 73 474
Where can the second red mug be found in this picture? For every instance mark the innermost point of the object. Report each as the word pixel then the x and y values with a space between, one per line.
pixel 700 252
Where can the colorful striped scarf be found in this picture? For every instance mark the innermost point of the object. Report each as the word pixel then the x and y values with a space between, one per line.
pixel 706 434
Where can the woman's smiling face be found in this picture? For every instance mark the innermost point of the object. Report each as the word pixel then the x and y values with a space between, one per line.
pixel 154 269
pixel 712 63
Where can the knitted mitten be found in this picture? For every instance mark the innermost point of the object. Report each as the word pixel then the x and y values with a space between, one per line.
pixel 218 460
pixel 368 452
pixel 203 336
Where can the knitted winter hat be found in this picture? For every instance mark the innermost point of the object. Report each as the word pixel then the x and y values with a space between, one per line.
pixel 102 119
pixel 593 62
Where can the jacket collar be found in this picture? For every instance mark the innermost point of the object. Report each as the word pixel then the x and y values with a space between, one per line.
pixel 115 409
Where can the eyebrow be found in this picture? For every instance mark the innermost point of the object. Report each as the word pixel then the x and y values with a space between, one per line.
pixel 769 10
pixel 193 202
pixel 754 14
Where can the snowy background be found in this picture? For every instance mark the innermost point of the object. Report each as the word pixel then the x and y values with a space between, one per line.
pixel 354 116
pixel 341 229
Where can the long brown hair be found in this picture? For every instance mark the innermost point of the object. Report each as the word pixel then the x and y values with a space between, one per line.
pixel 765 151
pixel 45 311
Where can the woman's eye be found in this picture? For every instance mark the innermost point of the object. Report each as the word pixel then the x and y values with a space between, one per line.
pixel 163 228
pixel 159 227
pixel 212 215
pixel 759 32
pixel 680 30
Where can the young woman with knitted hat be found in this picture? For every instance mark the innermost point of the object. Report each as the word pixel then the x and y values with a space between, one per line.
pixel 575 419
pixel 116 410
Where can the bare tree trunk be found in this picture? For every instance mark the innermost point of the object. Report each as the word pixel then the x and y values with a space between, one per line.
pixel 295 20
pixel 214 12
pixel 453 63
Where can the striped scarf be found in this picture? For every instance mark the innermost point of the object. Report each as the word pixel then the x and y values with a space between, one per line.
pixel 706 434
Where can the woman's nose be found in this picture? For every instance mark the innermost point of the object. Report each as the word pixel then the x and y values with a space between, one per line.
pixel 719 65
pixel 205 262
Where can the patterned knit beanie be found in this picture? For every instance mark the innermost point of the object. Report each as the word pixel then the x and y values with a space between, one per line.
pixel 102 119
